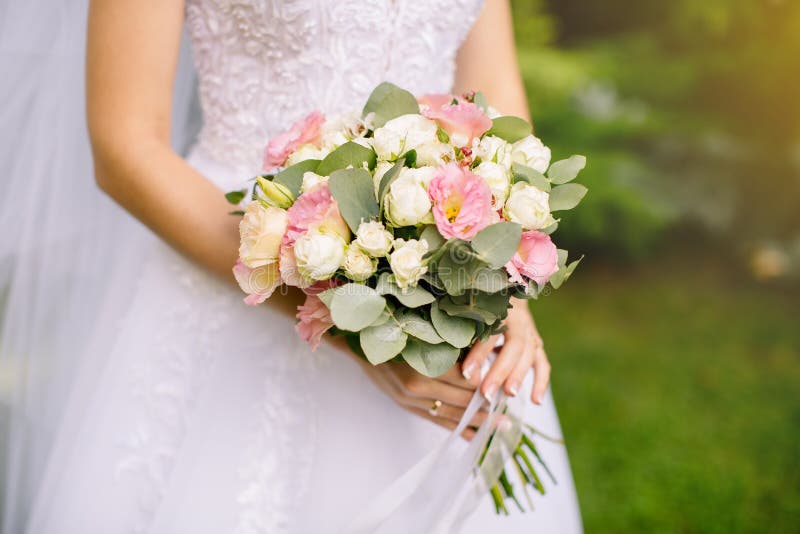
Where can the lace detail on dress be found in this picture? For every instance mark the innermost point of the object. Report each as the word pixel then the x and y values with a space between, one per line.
pixel 264 63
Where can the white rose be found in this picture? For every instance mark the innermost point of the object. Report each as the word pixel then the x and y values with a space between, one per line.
pixel 531 151
pixel 435 153
pixel 312 180
pixel 493 149
pixel 529 207
pixel 261 230
pixel 307 151
pixel 407 202
pixel 319 255
pixel 358 265
pixel 374 239
pixel 406 261
pixel 498 179
pixel 402 134
pixel 340 129
pixel 380 170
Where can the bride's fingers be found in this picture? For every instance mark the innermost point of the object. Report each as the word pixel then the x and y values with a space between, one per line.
pixel 443 410
pixel 521 368
pixel 454 377
pixel 467 434
pixel 510 354
pixel 471 366
pixel 541 375
pixel 415 385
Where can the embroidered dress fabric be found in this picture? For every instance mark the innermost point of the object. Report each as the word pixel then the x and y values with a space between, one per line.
pixel 178 408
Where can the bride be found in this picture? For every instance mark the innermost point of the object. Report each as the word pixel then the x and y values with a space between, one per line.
pixel 189 412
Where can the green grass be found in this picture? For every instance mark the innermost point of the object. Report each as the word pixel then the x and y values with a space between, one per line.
pixel 679 394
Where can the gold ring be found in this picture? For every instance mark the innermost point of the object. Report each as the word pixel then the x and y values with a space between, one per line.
pixel 434 409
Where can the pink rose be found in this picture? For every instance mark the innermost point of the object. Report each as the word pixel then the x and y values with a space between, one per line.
pixel 290 275
pixel 462 202
pixel 536 259
pixel 258 283
pixel 315 210
pixel 463 121
pixel 315 320
pixel 306 130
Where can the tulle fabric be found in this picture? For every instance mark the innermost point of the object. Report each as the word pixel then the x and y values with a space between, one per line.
pixel 67 253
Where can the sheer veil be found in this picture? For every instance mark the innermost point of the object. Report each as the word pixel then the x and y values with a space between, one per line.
pixel 67 252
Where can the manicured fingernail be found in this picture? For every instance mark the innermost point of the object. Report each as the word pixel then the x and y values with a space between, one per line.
pixel 513 389
pixel 489 392
pixel 537 398
pixel 467 370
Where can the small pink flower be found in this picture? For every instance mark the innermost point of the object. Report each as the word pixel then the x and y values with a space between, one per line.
pixel 536 259
pixel 315 320
pixel 315 209
pixel 462 202
pixel 290 275
pixel 463 121
pixel 306 130
pixel 258 283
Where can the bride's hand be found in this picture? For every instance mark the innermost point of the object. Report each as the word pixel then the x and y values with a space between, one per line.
pixel 522 350
pixel 418 394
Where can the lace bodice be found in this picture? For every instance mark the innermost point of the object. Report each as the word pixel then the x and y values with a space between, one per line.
pixel 262 64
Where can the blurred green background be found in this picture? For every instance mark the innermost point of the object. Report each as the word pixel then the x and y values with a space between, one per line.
pixel 676 344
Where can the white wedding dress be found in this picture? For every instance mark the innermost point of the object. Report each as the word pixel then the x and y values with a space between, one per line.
pixel 208 416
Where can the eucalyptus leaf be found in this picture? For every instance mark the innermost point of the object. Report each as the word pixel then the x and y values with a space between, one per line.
pixel 431 235
pixel 383 342
pixel 355 306
pixel 349 154
pixel 354 192
pixel 388 101
pixel 566 170
pixel 490 280
pixel 326 297
pixel 411 297
pixel 234 197
pixel 466 311
pixel 415 326
pixel 496 244
pixel 510 128
pixel 480 101
pixel 455 330
pixel 292 177
pixel 563 273
pixel 386 180
pixel 456 266
pixel 566 196
pixel 550 229
pixel 430 360
pixel 523 173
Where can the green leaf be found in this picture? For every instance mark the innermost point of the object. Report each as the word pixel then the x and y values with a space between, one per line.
pixel 523 173
pixel 386 180
pixel 412 297
pixel 566 197
pixel 234 197
pixel 414 325
pixel 292 177
pixel 355 306
pixel 466 311
pixel 456 266
pixel 388 101
pixel 510 128
pixel 566 170
pixel 326 297
pixel 431 235
pixel 563 273
pixel 454 330
pixel 349 154
pixel 496 244
pixel 550 229
pixel 494 303
pixel 383 342
pixel 430 360
pixel 354 192
pixel 236 212
pixel 490 280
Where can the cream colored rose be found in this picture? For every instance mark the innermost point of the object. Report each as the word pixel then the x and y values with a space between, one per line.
pixel 493 149
pixel 307 151
pixel 374 239
pixel 401 134
pixel 529 207
pixel 261 230
pixel 311 180
pixel 407 202
pixel 498 179
pixel 406 261
pixel 358 265
pixel 380 169
pixel 531 151
pixel 435 153
pixel 339 129
pixel 319 255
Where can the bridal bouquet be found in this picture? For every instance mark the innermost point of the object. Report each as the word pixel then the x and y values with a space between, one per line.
pixel 409 226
